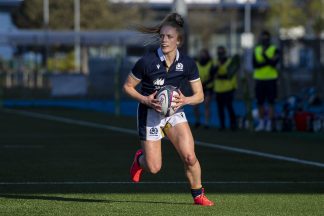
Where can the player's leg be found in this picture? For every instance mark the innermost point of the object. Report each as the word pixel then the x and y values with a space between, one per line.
pixel 181 137
pixel 149 157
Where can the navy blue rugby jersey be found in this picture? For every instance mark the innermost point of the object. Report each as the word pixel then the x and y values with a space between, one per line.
pixel 151 71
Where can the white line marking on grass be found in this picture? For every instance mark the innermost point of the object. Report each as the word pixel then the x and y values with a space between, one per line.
pixel 22 146
pixel 261 154
pixel 158 182
pixel 199 143
pixel 71 121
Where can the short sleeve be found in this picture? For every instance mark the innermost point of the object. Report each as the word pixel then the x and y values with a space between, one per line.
pixel 138 69
pixel 193 73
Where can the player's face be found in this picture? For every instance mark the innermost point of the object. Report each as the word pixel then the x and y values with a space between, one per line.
pixel 168 39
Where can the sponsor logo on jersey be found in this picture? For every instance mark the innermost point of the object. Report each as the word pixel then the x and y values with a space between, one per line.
pixel 158 66
pixel 179 67
pixel 158 83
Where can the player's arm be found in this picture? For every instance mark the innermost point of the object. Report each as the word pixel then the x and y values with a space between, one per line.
pixel 196 98
pixel 129 88
pixel 198 93
pixel 196 87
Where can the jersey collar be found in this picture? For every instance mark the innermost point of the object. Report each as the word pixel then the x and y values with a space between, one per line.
pixel 162 57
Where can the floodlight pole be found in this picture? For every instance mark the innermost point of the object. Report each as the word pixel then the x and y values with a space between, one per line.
pixel 46 13
pixel 180 7
pixel 77 53
pixel 247 16
pixel 248 67
pixel 247 31
pixel 45 27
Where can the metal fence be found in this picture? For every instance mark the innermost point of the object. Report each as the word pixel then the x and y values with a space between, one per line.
pixel 301 68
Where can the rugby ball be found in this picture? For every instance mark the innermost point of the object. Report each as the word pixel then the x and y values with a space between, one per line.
pixel 166 95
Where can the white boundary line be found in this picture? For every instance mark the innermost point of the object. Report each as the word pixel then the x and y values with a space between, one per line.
pixel 261 154
pixel 22 146
pixel 133 132
pixel 158 182
pixel 70 121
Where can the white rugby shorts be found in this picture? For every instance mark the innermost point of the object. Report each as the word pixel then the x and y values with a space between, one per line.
pixel 150 123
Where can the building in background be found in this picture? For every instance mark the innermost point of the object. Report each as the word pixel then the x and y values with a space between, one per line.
pixel 6 25
pixel 212 23
pixel 224 20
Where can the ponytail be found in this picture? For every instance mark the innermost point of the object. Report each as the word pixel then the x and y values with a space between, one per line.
pixel 173 19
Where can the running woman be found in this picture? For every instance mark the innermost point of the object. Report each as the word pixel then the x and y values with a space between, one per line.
pixel 166 66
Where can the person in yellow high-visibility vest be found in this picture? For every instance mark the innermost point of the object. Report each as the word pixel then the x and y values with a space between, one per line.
pixel 265 60
pixel 204 63
pixel 225 84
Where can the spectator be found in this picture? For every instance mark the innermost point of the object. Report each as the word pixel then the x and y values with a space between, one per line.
pixel 204 64
pixel 265 59
pixel 225 84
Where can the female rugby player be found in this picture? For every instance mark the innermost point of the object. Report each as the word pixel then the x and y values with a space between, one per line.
pixel 166 66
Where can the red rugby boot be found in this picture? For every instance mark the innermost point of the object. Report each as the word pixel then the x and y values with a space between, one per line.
pixel 136 169
pixel 203 200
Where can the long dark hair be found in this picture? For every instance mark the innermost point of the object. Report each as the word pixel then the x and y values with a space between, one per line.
pixel 173 19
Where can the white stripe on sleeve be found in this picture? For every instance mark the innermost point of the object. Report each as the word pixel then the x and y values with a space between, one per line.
pixel 194 80
pixel 132 75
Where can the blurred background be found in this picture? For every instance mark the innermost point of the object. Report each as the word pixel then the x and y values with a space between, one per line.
pixel 77 53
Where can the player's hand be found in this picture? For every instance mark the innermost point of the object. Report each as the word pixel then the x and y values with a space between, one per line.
pixel 152 102
pixel 179 101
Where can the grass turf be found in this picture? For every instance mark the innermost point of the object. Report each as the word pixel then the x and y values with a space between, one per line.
pixel 40 150
pixel 160 204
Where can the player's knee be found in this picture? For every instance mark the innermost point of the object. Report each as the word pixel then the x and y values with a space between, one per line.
pixel 190 160
pixel 154 168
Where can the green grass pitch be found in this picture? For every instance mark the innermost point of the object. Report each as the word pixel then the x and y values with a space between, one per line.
pixel 72 162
